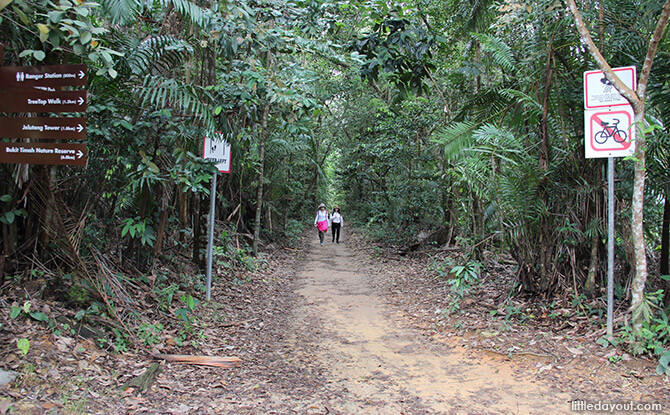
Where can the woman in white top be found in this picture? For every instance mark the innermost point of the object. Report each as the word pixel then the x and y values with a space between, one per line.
pixel 336 222
pixel 321 221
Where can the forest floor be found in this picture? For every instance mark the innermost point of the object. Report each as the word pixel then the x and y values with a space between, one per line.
pixel 343 328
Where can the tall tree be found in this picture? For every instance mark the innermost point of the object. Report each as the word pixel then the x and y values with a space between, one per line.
pixel 637 100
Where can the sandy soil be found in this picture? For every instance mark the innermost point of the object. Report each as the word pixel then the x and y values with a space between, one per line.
pixel 382 366
pixel 333 329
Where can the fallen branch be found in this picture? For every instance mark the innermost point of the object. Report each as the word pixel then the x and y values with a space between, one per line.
pixel 216 361
pixel 238 323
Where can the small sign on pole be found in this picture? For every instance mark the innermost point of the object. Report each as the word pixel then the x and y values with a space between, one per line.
pixel 599 91
pixel 609 132
pixel 216 148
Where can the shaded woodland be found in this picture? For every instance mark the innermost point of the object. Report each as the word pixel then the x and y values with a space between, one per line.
pixel 463 118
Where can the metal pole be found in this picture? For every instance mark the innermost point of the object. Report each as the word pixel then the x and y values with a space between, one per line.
pixel 210 237
pixel 610 246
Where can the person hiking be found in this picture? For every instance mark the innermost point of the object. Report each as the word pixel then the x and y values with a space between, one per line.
pixel 321 221
pixel 336 223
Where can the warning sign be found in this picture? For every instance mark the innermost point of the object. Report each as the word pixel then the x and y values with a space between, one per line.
pixel 216 148
pixel 609 133
pixel 599 91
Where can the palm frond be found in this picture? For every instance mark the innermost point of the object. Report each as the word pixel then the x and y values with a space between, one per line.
pixel 499 50
pixel 455 138
pixel 172 93
pixel 190 11
pixel 529 103
pixel 121 11
pixel 161 52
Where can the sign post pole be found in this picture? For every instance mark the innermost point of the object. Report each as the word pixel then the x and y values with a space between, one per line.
pixel 210 237
pixel 609 132
pixel 610 247
pixel 215 148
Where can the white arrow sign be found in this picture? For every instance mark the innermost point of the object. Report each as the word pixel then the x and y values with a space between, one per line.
pixel 79 154
pixel 81 74
pixel 81 101
pixel 80 128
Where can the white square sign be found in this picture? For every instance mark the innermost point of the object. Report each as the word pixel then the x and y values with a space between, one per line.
pixel 609 133
pixel 599 91
pixel 218 149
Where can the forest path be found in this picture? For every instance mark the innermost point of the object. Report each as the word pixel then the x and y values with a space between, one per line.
pixel 379 365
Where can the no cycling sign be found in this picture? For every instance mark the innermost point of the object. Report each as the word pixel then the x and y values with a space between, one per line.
pixel 608 116
pixel 609 133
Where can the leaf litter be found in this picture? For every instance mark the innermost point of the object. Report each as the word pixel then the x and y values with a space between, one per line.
pixel 279 336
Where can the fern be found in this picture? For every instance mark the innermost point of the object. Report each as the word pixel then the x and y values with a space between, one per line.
pixel 501 53
pixel 161 52
pixel 189 10
pixel 121 11
pixel 455 138
pixel 163 93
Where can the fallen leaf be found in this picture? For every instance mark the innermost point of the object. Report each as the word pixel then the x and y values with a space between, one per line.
pixel 574 351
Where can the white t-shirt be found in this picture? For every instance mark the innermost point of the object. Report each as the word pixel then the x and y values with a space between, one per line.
pixel 337 218
pixel 321 216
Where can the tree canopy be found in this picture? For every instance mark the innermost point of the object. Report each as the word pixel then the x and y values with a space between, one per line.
pixel 464 116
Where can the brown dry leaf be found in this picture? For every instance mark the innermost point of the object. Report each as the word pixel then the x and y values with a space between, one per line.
pixel 575 351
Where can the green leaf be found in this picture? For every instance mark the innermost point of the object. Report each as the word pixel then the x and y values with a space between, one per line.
pixel 39 316
pixel 6 198
pixel 55 16
pixel 78 48
pixel 8 218
pixel 182 313
pixel 39 55
pixel 664 364
pixel 22 15
pixel 43 28
pixel 4 3
pixel 85 37
pixel 23 345
pixel 14 312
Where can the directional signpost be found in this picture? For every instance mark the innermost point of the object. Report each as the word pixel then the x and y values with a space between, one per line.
pixel 37 90
pixel 23 77
pixel 35 100
pixel 43 153
pixel 215 148
pixel 609 132
pixel 43 127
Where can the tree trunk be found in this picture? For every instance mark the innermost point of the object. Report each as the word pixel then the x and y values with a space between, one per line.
pixel 665 247
pixel 197 231
pixel 590 283
pixel 665 237
pixel 259 194
pixel 636 100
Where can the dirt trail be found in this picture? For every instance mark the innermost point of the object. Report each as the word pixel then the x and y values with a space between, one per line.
pixel 381 366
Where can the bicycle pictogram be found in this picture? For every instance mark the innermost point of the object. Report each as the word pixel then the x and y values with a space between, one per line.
pixel 612 131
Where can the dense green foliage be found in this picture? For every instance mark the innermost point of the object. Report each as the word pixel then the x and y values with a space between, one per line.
pixel 464 115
